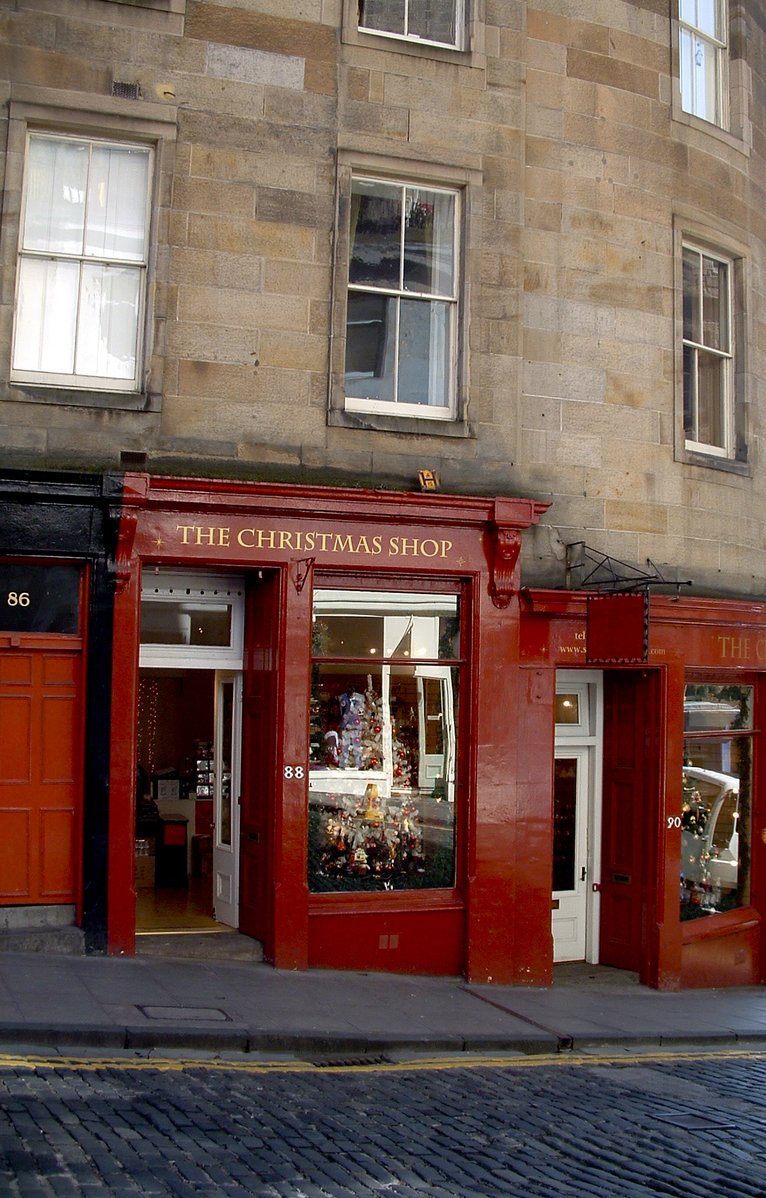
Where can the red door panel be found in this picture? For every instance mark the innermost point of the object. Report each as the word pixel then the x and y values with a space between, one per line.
pixel 58 738
pixel 627 812
pixel 16 667
pixel 40 720
pixel 16 742
pixel 259 704
pixel 14 855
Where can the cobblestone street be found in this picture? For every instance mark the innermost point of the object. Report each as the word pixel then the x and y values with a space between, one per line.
pixel 629 1126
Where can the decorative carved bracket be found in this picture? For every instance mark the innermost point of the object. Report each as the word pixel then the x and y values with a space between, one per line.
pixel 512 516
pixel 505 557
pixel 124 564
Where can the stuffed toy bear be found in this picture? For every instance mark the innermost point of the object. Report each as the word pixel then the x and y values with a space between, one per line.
pixel 351 710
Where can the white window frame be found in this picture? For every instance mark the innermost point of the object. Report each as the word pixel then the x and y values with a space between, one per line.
pixel 725 358
pixel 399 407
pixel 174 589
pixel 577 687
pixel 460 31
pixel 73 380
pixel 704 42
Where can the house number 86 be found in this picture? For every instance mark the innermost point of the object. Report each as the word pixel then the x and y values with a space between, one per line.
pixel 293 771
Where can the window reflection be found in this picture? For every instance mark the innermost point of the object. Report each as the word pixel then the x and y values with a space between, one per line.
pixel 564 823
pixel 402 293
pixel 715 817
pixel 185 623
pixel 567 709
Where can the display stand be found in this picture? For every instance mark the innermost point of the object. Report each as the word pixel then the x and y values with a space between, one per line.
pixel 171 865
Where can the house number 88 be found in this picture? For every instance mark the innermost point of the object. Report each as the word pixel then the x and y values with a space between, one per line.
pixel 294 771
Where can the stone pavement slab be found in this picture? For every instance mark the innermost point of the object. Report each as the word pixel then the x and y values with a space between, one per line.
pixel 589 1013
pixel 244 1006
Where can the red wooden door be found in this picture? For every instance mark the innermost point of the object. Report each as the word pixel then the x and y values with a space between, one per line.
pixel 40 770
pixel 629 811
pixel 259 708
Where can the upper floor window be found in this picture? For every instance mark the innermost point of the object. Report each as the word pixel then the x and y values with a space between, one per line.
pixel 702 57
pixel 440 22
pixel 401 320
pixel 83 252
pixel 708 366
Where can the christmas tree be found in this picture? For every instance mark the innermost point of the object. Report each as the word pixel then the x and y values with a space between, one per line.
pixel 404 753
pixel 372 729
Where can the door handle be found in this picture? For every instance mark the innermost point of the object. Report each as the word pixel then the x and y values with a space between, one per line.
pixel 583 874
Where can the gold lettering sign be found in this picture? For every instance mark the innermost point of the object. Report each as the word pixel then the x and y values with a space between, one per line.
pixel 734 648
pixel 744 649
pixel 284 540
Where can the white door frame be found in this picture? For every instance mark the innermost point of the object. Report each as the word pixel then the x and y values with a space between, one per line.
pixel 583 737
pixel 203 589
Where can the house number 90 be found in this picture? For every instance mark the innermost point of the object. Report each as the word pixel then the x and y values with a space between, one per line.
pixel 674 821
pixel 294 771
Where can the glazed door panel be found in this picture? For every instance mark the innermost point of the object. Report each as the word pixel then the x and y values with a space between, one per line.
pixel 40 722
pixel 570 853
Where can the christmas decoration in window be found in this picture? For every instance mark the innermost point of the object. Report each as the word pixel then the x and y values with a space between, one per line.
pixel 382 742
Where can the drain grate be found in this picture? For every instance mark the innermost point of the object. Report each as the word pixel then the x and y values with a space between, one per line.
pixel 348 1062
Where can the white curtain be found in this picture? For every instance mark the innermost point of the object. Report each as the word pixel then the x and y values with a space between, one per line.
pixel 83 201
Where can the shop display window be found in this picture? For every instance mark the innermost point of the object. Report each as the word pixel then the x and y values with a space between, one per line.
pixel 715 817
pixel 382 752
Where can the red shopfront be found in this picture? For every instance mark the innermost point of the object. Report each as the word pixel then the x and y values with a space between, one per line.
pixel 669 872
pixel 410 764
pixel 359 777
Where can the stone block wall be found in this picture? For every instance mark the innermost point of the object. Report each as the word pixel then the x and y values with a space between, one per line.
pixel 561 124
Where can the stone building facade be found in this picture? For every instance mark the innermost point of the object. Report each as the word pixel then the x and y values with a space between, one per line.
pixel 510 252
pixel 579 177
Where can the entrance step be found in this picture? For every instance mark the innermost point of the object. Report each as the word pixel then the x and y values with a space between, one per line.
pixel 581 973
pixel 66 941
pixel 199 946
pixel 40 928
